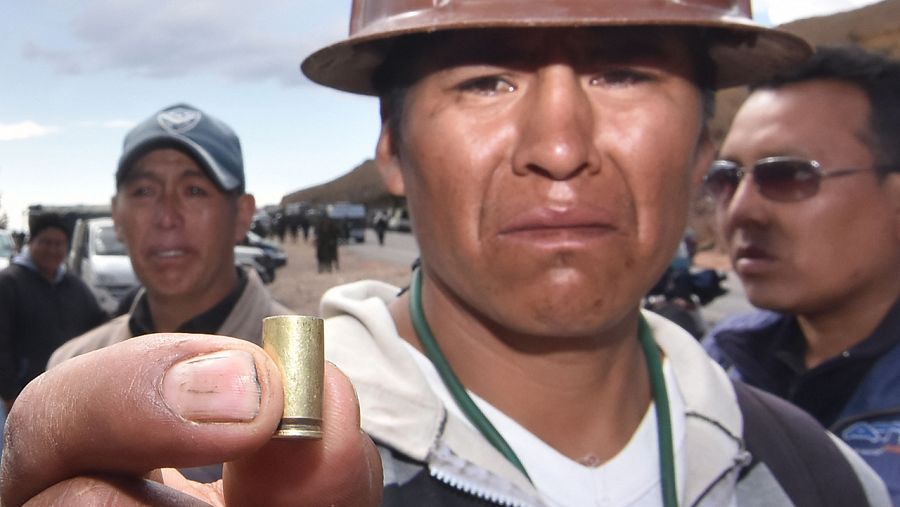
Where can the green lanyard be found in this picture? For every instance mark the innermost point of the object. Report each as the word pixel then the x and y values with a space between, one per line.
pixel 478 419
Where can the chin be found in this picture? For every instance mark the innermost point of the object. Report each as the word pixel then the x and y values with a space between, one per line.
pixel 171 288
pixel 773 300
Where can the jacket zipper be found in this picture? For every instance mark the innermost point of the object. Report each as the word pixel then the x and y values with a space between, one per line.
pixel 472 489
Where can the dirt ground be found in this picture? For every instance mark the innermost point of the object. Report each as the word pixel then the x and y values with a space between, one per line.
pixel 299 286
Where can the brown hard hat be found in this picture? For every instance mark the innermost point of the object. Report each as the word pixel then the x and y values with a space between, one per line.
pixel 742 50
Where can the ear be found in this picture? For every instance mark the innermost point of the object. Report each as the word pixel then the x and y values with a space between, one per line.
pixel 387 159
pixel 703 158
pixel 117 222
pixel 246 208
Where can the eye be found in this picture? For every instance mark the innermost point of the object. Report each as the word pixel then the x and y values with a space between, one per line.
pixel 196 191
pixel 487 85
pixel 140 191
pixel 620 77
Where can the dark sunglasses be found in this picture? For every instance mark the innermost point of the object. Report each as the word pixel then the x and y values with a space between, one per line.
pixel 782 179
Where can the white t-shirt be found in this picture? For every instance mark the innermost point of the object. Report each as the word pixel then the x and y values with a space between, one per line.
pixel 629 479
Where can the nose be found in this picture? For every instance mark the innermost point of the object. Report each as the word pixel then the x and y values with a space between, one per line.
pixel 169 212
pixel 557 135
pixel 746 207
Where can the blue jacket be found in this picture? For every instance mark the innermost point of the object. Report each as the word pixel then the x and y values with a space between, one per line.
pixel 870 420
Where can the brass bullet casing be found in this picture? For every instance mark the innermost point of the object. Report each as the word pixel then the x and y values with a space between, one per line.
pixel 296 343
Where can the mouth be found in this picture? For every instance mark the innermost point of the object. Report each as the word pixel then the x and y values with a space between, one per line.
pixel 752 252
pixel 168 254
pixel 751 260
pixel 551 225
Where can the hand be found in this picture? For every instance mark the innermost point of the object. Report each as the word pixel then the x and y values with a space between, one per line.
pixel 98 429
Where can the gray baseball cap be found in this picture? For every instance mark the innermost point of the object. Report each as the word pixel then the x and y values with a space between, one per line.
pixel 209 141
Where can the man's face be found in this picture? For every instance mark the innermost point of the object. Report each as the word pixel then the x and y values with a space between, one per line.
pixel 810 255
pixel 548 172
pixel 180 229
pixel 48 250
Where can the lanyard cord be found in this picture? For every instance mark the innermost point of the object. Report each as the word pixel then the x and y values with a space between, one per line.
pixel 478 419
pixel 663 414
pixel 465 403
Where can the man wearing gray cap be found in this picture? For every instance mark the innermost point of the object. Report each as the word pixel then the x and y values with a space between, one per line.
pixel 180 207
pixel 547 151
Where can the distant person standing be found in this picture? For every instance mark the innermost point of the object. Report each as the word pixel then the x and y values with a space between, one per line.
pixel 381 225
pixel 304 226
pixel 41 306
pixel 293 226
pixel 280 226
pixel 327 233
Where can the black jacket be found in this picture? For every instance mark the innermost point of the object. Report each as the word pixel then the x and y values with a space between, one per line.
pixel 36 316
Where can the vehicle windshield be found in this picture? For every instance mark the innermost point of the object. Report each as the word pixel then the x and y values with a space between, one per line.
pixel 6 246
pixel 106 242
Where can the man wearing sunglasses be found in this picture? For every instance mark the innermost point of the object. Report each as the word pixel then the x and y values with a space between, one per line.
pixel 807 190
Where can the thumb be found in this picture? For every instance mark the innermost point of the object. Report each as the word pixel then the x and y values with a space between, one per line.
pixel 154 401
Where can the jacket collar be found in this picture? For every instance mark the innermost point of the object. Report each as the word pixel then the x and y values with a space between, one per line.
pixel 401 411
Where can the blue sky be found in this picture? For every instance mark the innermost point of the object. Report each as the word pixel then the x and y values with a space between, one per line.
pixel 77 75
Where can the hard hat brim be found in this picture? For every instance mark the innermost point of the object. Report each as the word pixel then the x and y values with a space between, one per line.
pixel 742 51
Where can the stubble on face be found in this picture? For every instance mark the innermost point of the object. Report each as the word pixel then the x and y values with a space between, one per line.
pixel 549 177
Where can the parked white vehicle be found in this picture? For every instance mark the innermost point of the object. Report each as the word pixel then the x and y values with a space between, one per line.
pixel 7 248
pixel 101 260
pixel 251 257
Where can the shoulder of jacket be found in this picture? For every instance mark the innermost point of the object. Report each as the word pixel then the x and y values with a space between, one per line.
pixel 104 335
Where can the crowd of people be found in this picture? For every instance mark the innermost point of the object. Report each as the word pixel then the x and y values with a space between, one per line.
pixel 548 154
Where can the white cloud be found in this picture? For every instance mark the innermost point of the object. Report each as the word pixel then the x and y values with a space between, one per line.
pixel 108 124
pixel 25 130
pixel 167 39
pixel 119 124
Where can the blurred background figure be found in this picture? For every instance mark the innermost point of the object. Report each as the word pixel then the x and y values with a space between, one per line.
pixel 380 225
pixel 807 193
pixel 280 224
pixel 327 234
pixel 682 290
pixel 304 226
pixel 293 223
pixel 180 207
pixel 41 306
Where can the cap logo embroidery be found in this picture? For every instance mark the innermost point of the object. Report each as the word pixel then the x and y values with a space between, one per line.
pixel 178 120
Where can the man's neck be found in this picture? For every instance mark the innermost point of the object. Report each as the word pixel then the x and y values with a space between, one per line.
pixel 169 313
pixel 583 397
pixel 832 332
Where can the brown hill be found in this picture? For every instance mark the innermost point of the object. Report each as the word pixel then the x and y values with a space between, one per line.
pixel 362 184
pixel 875 27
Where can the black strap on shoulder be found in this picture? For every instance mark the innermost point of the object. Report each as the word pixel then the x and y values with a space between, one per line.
pixel 796 448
